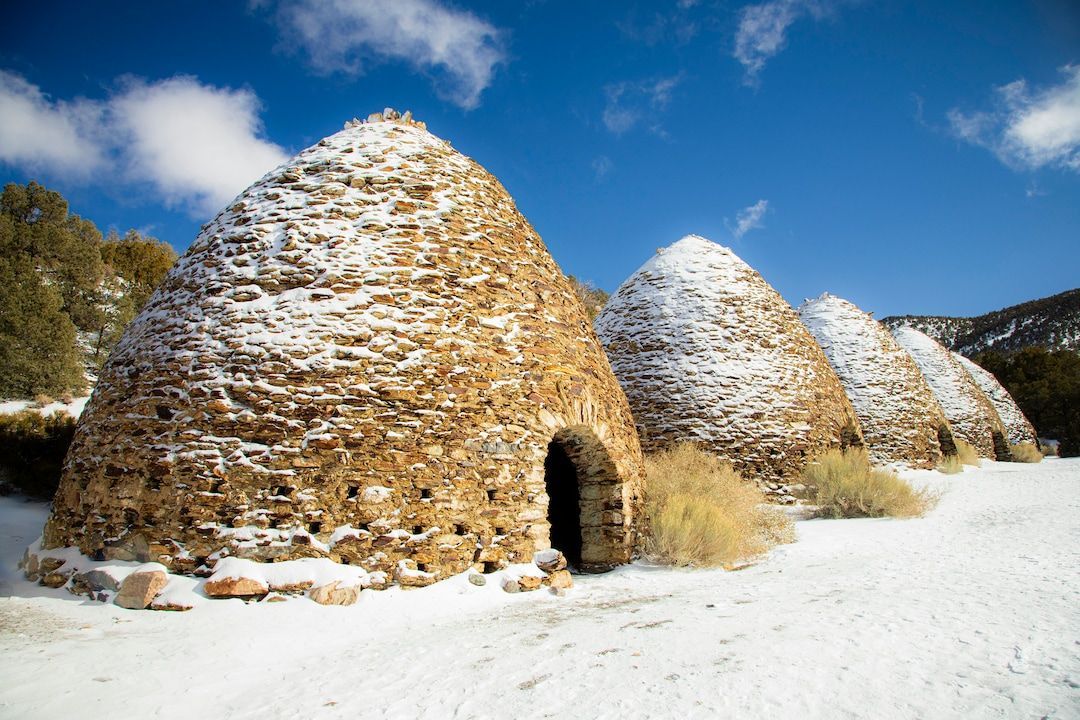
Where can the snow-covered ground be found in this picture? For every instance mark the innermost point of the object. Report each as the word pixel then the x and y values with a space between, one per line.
pixel 973 611
pixel 73 408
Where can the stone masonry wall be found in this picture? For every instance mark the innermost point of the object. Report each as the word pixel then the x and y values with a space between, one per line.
pixel 900 417
pixel 363 358
pixel 708 352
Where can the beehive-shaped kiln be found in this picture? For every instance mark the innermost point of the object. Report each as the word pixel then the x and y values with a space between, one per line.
pixel 1017 427
pixel 901 419
pixel 709 352
pixel 969 412
pixel 369 356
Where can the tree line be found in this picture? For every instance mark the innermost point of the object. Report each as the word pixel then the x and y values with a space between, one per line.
pixel 66 292
pixel 1046 386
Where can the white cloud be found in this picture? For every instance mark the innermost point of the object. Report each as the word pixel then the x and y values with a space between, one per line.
pixel 196 145
pixel 1026 129
pixel 762 31
pixel 749 218
pixel 41 134
pixel 602 166
pixel 629 102
pixel 459 48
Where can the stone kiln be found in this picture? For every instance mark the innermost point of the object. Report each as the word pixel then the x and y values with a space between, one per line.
pixel 370 356
pixel 901 419
pixel 970 414
pixel 708 352
pixel 1017 427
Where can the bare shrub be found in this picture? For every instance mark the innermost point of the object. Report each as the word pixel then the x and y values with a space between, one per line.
pixel 844 485
pixel 702 513
pixel 1026 452
pixel 967 453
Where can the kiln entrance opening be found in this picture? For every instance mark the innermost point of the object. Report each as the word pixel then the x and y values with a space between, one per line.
pixel 564 502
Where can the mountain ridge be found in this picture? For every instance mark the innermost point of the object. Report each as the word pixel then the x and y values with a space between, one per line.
pixel 1051 322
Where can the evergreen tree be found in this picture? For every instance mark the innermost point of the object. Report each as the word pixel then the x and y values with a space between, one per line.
pixel 1046 386
pixel 63 248
pixel 37 339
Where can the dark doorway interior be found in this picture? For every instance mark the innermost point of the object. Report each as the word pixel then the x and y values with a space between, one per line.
pixel 564 507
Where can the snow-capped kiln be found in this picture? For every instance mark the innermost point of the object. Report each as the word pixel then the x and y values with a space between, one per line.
pixel 1018 428
pixel 901 419
pixel 370 356
pixel 969 412
pixel 709 352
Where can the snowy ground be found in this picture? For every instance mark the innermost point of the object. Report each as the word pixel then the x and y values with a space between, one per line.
pixel 973 611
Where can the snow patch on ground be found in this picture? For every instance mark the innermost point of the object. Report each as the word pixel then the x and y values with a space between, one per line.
pixel 973 611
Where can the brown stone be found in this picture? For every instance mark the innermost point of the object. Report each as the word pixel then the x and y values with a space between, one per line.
pixel 550 560
pixel 140 588
pixel 561 579
pixel 334 594
pixel 528 583
pixel 235 587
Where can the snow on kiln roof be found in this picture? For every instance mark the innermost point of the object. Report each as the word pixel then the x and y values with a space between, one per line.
pixel 970 413
pixel 707 351
pixel 374 313
pixel 900 416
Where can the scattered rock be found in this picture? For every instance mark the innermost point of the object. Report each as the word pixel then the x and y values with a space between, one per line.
pixel 550 560
pixel 140 588
pixel 170 604
pixel 477 579
pixel 96 581
pixel 335 594
pixel 528 583
pixel 240 587
pixel 510 585
pixel 561 580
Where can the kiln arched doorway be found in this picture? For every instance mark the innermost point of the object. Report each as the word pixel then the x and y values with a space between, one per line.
pixel 585 506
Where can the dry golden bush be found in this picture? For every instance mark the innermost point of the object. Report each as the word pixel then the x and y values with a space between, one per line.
pixel 951 465
pixel 844 485
pixel 967 453
pixel 1026 452
pixel 702 513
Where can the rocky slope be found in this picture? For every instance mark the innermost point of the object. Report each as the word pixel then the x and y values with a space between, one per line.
pixel 1052 322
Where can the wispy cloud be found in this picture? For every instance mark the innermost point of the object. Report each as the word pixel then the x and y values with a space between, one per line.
pixel 628 103
pixel 460 50
pixel 602 166
pixel 762 31
pixel 671 25
pixel 195 145
pixel 1027 129
pixel 749 218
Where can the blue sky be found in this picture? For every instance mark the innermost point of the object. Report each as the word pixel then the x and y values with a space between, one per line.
pixel 913 157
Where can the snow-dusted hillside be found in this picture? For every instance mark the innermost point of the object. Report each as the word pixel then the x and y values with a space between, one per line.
pixel 970 612
pixel 1052 322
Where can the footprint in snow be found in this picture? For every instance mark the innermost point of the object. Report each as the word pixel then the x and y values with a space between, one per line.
pixel 1019 663
pixel 532 682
